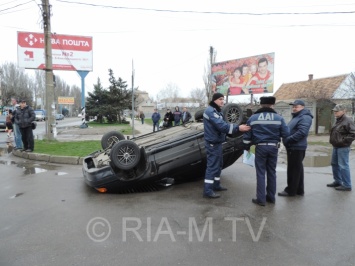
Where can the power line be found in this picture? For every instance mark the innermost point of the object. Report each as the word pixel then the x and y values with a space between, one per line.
pixel 212 12
pixel 2 10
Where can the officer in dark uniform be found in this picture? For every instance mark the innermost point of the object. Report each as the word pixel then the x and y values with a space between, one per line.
pixel 215 130
pixel 267 128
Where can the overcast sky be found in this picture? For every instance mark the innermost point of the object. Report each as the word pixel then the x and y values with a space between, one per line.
pixel 168 45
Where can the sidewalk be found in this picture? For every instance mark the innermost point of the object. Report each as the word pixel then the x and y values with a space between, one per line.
pixel 90 133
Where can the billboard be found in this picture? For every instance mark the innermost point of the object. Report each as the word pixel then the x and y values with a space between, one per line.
pixel 69 52
pixel 249 75
pixel 65 100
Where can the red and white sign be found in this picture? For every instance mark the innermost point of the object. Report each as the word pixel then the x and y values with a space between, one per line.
pixel 68 52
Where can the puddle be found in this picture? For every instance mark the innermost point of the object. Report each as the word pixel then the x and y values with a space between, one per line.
pixel 7 162
pixel 32 168
pixel 28 167
pixel 7 150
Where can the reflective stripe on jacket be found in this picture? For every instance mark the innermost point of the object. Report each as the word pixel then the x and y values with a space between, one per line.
pixel 215 128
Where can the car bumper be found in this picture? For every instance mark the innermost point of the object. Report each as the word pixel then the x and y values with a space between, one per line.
pixel 105 177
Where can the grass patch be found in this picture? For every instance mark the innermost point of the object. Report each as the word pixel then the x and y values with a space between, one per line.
pixel 125 129
pixel 72 148
pixel 97 124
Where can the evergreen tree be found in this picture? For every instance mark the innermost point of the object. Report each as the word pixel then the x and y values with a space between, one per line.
pixel 109 102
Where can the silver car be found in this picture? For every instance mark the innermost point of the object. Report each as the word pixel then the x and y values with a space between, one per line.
pixel 40 116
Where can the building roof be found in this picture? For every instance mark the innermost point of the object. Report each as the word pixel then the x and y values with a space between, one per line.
pixel 323 88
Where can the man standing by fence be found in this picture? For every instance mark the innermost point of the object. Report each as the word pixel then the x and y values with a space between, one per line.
pixel 155 119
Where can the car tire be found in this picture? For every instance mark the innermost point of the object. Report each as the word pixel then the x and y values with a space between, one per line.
pixel 110 138
pixel 199 114
pixel 232 113
pixel 125 155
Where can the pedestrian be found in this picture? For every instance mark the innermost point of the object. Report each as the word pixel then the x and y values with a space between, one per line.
pixel 267 129
pixel 9 126
pixel 296 146
pixel 141 116
pixel 155 119
pixel 342 134
pixel 168 119
pixel 177 116
pixel 215 130
pixel 24 116
pixel 186 116
pixel 16 128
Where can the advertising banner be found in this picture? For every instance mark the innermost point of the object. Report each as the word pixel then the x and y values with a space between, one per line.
pixel 249 75
pixel 68 52
pixel 65 100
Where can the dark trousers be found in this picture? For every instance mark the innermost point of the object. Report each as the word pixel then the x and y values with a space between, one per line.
pixel 214 167
pixel 295 174
pixel 155 126
pixel 27 138
pixel 265 164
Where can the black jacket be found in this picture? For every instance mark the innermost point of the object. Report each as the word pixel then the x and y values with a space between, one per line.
pixel 342 133
pixel 187 117
pixel 170 120
pixel 24 117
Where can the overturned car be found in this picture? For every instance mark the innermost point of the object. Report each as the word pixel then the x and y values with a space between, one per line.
pixel 176 154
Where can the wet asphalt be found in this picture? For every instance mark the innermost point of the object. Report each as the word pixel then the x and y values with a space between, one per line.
pixel 49 216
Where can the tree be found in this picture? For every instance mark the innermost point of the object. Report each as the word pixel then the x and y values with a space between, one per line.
pixel 96 100
pixel 109 102
pixel 75 92
pixel 170 92
pixel 120 98
pixel 199 95
pixel 39 89
pixel 14 82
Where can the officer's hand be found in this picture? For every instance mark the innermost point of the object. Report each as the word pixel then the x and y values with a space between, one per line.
pixel 244 128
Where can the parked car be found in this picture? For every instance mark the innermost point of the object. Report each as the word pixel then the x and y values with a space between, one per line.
pixel 40 115
pixel 176 153
pixel 59 116
pixel 2 121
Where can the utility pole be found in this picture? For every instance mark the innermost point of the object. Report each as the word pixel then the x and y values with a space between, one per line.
pixel 133 113
pixel 51 131
pixel 209 96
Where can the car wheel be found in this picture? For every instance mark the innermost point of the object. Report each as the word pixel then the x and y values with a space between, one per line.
pixel 125 155
pixel 110 138
pixel 232 113
pixel 199 114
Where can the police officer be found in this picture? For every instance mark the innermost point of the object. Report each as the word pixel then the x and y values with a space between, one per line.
pixel 267 128
pixel 215 130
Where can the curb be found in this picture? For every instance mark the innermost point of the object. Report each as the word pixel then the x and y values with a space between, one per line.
pixel 74 160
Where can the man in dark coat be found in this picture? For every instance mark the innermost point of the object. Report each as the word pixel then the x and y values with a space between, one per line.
pixel 155 119
pixel 186 116
pixel 296 145
pixel 24 116
pixel 168 118
pixel 342 135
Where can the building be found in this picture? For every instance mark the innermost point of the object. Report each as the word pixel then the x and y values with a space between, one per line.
pixel 320 96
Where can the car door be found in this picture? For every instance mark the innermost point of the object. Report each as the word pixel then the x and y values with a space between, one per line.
pixel 181 158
